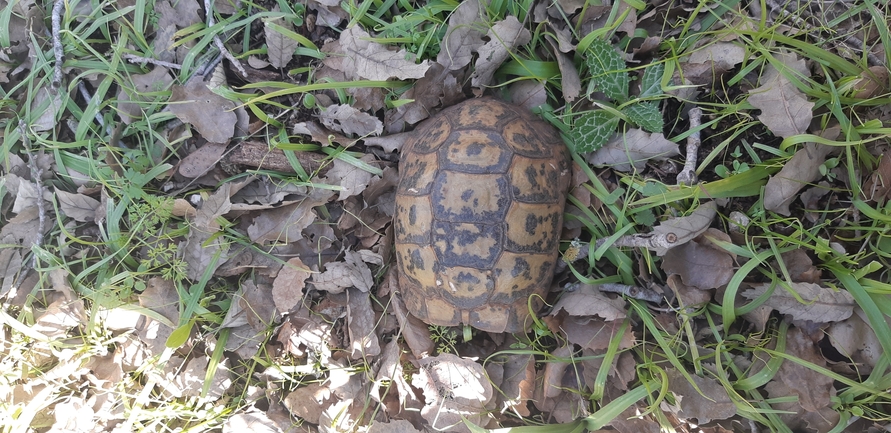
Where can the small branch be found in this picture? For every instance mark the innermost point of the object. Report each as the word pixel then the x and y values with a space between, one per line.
pixel 634 292
pixel 37 177
pixel 579 250
pixel 208 7
pixel 687 176
pixel 58 49
pixel 132 58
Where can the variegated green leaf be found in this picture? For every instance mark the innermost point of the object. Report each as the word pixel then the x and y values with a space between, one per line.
pixel 650 84
pixel 607 69
pixel 645 114
pixel 592 130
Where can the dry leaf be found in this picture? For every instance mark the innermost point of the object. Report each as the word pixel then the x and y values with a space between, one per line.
pixel 350 121
pixel 699 264
pixel 455 389
pixel 720 56
pixel 280 48
pixel 287 289
pixel 129 105
pixel 362 58
pixel 254 422
pixel 198 250
pixel 594 333
pixel 709 402
pixel 308 402
pixel 855 338
pixel 503 37
pixel 821 304
pixel 209 113
pixel 202 160
pixel 813 389
pixel 79 207
pixel 352 180
pixel 45 109
pixel 687 228
pixel 878 187
pixel 463 37
pixel 518 383
pixel 785 110
pixel 352 272
pixel 285 224
pixel 390 373
pixel 803 168
pixel 394 426
pixel 588 301
pixel 633 149
pixel 361 325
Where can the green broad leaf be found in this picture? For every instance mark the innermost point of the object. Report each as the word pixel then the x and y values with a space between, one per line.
pixel 592 130
pixel 645 114
pixel 180 335
pixel 607 70
pixel 650 83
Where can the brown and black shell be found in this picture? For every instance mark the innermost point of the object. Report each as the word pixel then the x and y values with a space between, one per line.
pixel 479 211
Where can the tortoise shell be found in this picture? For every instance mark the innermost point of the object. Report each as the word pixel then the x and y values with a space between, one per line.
pixel 479 211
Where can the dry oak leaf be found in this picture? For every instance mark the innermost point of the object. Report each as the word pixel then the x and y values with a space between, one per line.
pixel 155 81
pixel 784 109
pixel 463 37
pixel 633 149
pixel 202 160
pixel 809 302
pixel 286 223
pixel 351 179
pixel 588 301
pixel 855 338
pixel 362 58
pixel 361 327
pixel 209 113
pixel 197 250
pixel 254 422
pixel 455 389
pixel 687 228
pixel 803 168
pixel 878 187
pixel 352 272
pixel 279 47
pixel 287 288
pixel 348 120
pixel 80 207
pixel 722 56
pixel 503 37
pixel 707 401
pixel 393 426
pixel 308 402
pixel 814 389
pixel 699 265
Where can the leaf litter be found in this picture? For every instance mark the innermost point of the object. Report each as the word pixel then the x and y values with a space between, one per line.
pixel 295 269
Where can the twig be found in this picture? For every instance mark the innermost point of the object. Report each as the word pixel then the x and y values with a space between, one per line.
pixel 687 176
pixel 132 58
pixel 634 292
pixel 58 49
pixel 656 242
pixel 208 7
pixel 37 177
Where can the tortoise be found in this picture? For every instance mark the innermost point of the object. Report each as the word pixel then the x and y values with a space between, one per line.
pixel 479 211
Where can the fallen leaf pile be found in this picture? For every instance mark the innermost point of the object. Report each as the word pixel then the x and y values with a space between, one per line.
pixel 229 244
